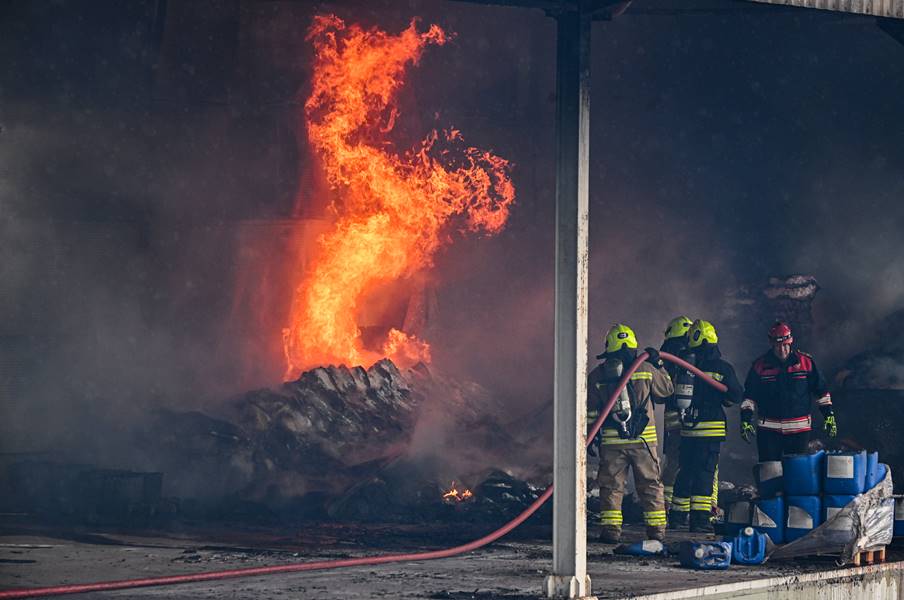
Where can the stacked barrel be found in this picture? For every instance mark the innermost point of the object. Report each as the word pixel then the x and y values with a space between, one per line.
pixel 802 491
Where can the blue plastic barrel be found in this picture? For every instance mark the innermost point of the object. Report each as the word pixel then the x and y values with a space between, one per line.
pixel 804 515
pixel 802 473
pixel 899 516
pixel 841 531
pixel 768 476
pixel 642 548
pixel 845 473
pixel 875 471
pixel 704 555
pixel 749 547
pixel 832 504
pixel 769 517
pixel 738 518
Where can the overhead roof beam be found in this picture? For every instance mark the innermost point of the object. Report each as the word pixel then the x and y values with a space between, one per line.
pixel 892 9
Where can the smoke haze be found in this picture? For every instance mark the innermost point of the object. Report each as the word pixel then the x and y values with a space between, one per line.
pixel 145 180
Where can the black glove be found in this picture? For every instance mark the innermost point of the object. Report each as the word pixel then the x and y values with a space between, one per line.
pixel 594 448
pixel 653 358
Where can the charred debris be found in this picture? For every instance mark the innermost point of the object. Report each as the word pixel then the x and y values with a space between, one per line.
pixel 338 443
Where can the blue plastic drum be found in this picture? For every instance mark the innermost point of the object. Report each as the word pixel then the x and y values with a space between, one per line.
pixel 704 555
pixel 748 547
pixel 841 531
pixel 875 471
pixel 804 515
pixel 768 478
pixel 769 517
pixel 845 473
pixel 802 473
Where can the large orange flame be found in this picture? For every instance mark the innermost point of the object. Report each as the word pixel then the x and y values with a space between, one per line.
pixel 391 210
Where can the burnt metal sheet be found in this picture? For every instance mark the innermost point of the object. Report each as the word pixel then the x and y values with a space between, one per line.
pixel 878 8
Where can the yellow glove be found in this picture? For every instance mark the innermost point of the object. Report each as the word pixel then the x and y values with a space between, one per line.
pixel 747 431
pixel 829 426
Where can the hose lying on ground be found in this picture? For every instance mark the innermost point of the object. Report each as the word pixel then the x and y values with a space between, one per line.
pixel 353 562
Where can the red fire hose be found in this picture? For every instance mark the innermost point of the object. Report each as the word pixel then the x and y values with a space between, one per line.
pixel 352 562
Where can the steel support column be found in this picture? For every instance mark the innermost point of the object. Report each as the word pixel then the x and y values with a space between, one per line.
pixel 569 576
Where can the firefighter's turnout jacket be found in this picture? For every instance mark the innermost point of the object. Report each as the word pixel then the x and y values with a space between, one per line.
pixel 618 454
pixel 782 392
pixel 702 433
pixel 648 384
pixel 706 417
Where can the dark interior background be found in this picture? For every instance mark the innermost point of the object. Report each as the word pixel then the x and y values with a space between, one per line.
pixel 148 155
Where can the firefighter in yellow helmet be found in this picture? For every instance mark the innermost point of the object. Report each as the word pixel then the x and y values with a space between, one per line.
pixel 675 343
pixel 702 431
pixel 628 436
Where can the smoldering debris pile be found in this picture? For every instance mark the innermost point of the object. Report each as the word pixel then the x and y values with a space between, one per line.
pixel 868 394
pixel 378 438
pixel 396 495
pixel 882 366
pixel 748 309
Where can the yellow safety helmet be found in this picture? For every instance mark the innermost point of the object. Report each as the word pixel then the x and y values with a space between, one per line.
pixel 618 336
pixel 701 331
pixel 678 327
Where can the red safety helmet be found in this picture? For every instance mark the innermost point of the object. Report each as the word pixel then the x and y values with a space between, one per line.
pixel 780 333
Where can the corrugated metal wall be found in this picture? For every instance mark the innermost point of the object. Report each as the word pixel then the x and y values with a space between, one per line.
pixel 878 8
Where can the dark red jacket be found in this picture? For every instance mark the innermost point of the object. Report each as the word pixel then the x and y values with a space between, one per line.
pixel 784 392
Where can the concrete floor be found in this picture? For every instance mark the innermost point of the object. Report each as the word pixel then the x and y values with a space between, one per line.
pixel 512 570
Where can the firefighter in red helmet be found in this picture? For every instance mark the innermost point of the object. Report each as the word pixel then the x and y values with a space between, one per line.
pixel 780 387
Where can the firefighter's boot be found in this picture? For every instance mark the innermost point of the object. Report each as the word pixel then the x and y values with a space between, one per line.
pixel 700 521
pixel 610 535
pixel 677 519
pixel 656 533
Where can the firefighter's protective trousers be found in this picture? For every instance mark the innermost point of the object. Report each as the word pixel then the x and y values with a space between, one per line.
pixel 615 459
pixel 694 486
pixel 674 459
pixel 671 450
pixel 772 445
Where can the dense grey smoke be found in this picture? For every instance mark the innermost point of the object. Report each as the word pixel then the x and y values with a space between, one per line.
pixel 722 153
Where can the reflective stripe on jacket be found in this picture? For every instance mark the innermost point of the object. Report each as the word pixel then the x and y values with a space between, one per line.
pixel 672 420
pixel 707 429
pixel 786 426
pixel 611 437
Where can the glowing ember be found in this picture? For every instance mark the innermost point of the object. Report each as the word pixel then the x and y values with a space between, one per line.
pixel 392 211
pixel 454 495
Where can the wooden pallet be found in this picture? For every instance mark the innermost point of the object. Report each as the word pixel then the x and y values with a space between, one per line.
pixel 870 556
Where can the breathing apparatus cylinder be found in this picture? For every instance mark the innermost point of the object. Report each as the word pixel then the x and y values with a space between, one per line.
pixel 684 390
pixel 621 410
